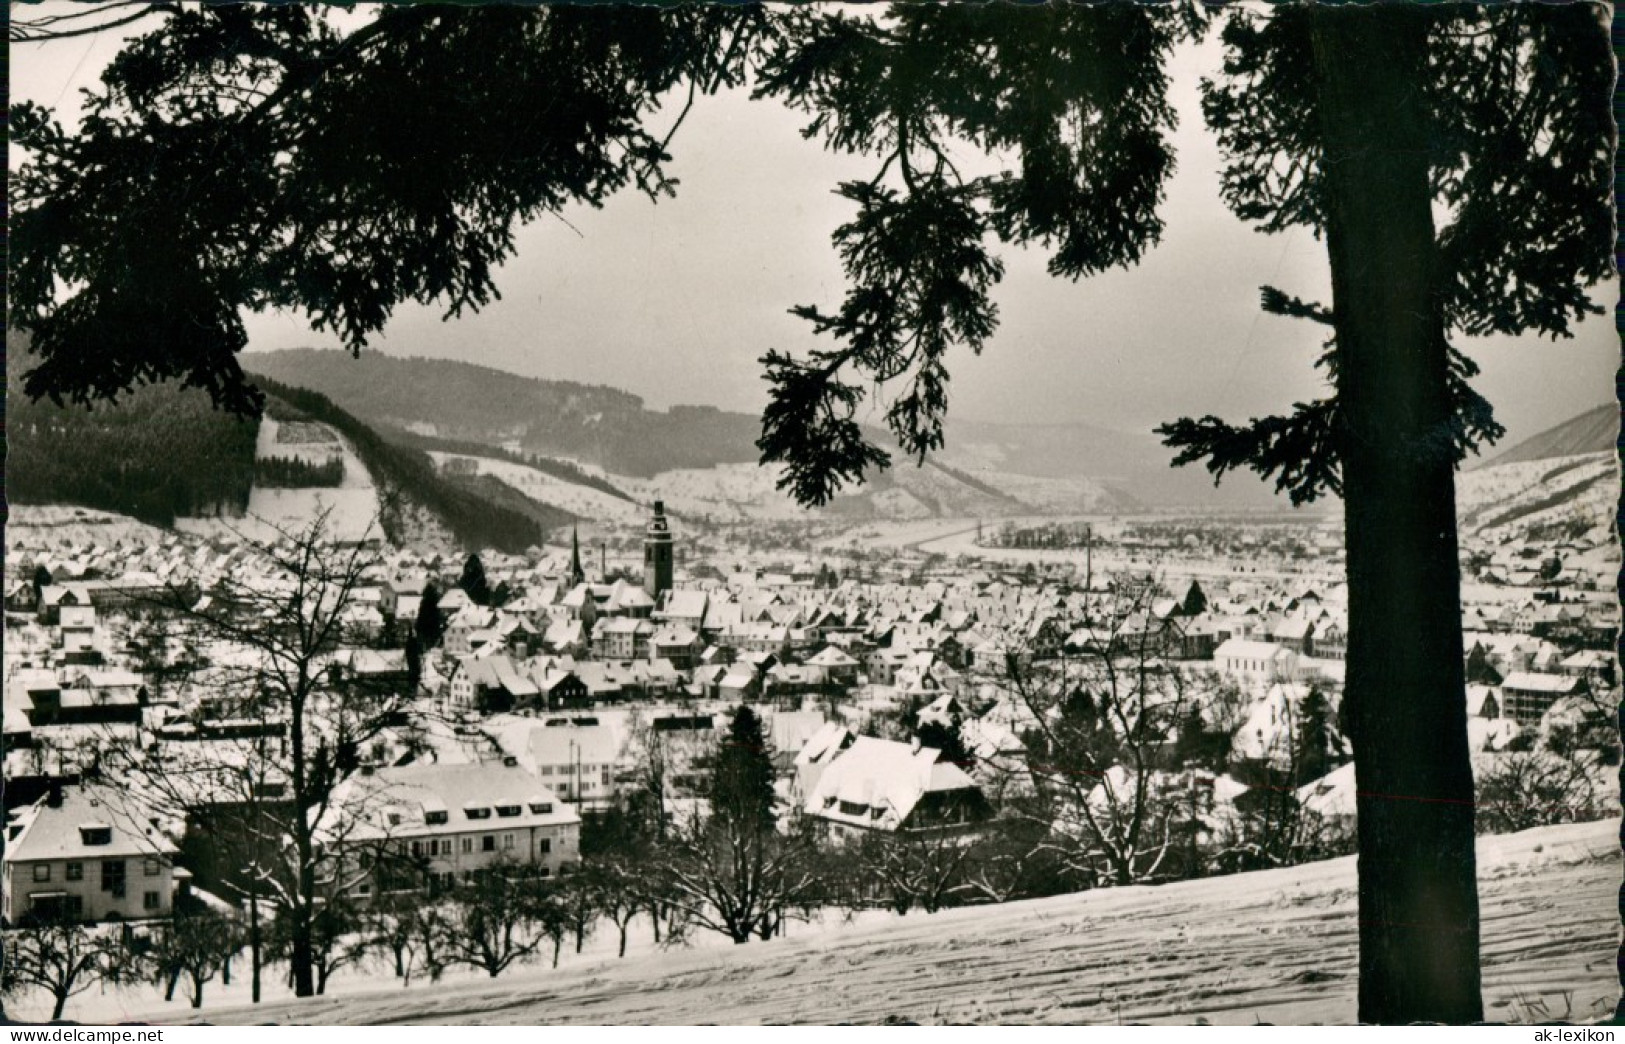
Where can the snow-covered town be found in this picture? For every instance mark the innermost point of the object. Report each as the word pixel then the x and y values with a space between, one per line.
pixel 933 732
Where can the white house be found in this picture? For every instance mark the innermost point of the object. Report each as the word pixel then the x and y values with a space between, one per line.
pixel 79 853
pixel 1256 663
pixel 444 823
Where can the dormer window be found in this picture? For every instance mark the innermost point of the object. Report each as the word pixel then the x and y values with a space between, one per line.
pixel 508 811
pixel 436 818
pixel 477 812
pixel 853 808
pixel 541 808
pixel 95 834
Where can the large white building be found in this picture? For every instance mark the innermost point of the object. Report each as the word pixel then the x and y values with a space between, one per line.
pixel 432 825
pixel 1257 663
pixel 77 853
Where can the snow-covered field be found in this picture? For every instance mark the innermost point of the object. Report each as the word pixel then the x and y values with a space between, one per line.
pixel 1276 946
pixel 552 490
pixel 353 505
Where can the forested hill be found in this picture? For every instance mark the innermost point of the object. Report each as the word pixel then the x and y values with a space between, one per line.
pixel 163 452
pixel 479 513
pixel 1593 431
pixel 461 401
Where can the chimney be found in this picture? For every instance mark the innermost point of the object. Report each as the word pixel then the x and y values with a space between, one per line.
pixel 53 796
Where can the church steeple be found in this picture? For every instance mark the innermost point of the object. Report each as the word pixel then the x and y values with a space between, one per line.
pixel 657 555
pixel 578 575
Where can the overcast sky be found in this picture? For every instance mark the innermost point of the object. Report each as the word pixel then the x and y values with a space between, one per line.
pixel 675 301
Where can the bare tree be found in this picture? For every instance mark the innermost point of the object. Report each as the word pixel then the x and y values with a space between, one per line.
pixel 196 944
pixel 1098 725
pixel 1538 787
pixel 284 725
pixel 60 957
pixel 917 869
pixel 498 918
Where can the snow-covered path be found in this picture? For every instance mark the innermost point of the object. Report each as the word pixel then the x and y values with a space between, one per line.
pixel 1277 946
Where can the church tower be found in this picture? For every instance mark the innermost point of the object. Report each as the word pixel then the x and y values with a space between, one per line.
pixel 657 552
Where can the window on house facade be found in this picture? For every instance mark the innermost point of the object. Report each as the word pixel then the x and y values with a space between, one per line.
pixel 113 877
pixel 42 871
pixel 488 843
pixel 48 906
pixel 150 867
pixel 417 849
pixel 468 845
pixel 507 841
pixel 545 845
pixel 149 900
pixel 76 871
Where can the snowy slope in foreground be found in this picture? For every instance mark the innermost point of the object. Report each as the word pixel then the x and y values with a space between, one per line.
pixel 1276 946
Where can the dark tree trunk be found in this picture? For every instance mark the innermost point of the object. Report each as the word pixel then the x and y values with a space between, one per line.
pixel 197 992
pixel 1406 705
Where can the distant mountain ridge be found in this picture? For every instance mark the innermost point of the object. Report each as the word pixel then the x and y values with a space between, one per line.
pixel 1004 465
pixel 461 401
pixel 1594 431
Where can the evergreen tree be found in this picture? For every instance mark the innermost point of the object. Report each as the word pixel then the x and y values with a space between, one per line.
pixel 1479 669
pixel 430 624
pixel 741 782
pixel 414 663
pixel 946 738
pixel 1318 745
pixel 473 581
pixel 1195 603
pixel 1485 210
pixel 42 580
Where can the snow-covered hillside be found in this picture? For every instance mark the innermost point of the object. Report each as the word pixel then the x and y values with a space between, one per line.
pixel 1537 492
pixel 1275 946
pixel 549 489
pixel 64 525
pixel 353 505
